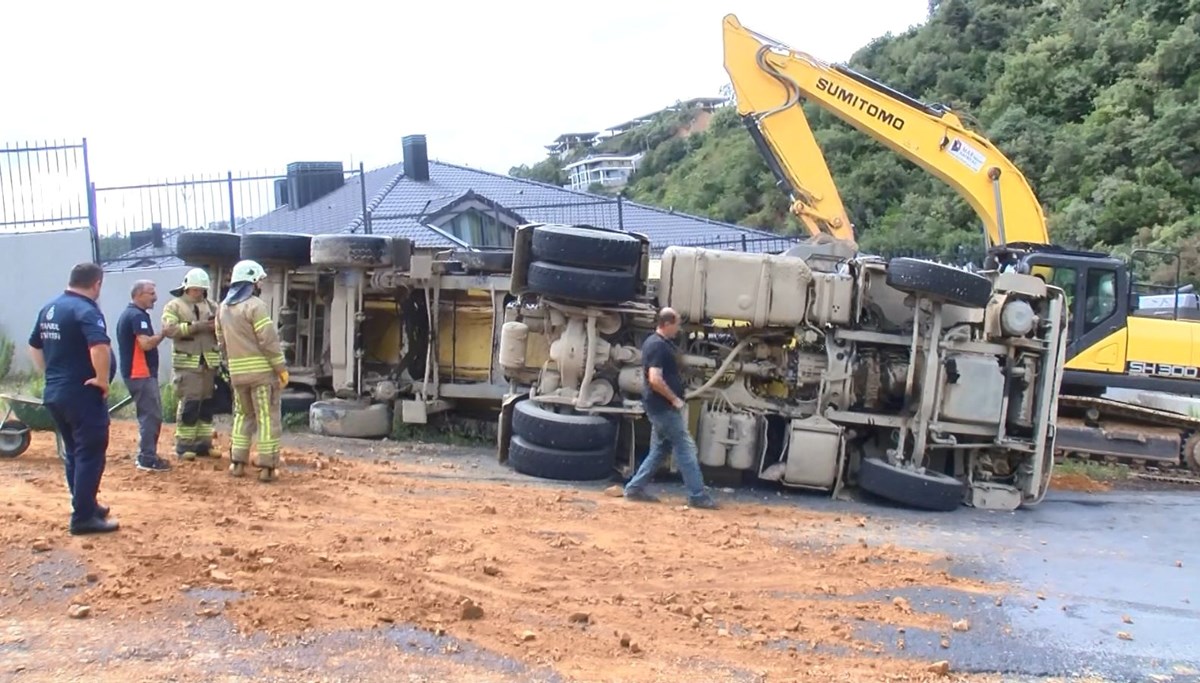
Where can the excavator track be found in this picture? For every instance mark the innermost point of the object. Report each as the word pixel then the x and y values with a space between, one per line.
pixel 1156 445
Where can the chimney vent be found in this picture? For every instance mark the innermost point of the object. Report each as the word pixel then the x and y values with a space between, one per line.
pixel 281 188
pixel 308 181
pixel 416 158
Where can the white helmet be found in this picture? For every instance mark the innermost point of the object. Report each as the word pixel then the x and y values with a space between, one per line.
pixel 196 277
pixel 247 271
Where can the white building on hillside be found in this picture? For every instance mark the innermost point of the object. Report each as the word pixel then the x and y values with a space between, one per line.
pixel 608 170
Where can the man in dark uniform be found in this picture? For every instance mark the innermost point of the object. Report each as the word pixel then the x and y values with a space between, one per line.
pixel 70 344
pixel 662 398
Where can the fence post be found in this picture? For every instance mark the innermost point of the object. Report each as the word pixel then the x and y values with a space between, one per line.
pixel 362 184
pixel 90 192
pixel 621 209
pixel 232 215
pixel 743 241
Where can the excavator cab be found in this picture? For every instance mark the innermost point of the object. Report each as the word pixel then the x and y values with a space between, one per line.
pixel 1092 282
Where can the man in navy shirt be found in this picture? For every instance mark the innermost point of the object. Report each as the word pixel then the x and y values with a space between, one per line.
pixel 70 344
pixel 662 398
pixel 139 367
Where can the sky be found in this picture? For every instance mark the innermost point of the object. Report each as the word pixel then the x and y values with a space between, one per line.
pixel 163 89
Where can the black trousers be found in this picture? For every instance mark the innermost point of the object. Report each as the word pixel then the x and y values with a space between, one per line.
pixel 82 419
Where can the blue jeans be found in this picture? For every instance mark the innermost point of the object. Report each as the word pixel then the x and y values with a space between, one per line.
pixel 82 419
pixel 668 430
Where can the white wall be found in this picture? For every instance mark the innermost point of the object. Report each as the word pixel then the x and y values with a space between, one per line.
pixel 34 268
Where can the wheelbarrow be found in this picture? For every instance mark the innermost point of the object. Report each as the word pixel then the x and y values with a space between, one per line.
pixel 15 436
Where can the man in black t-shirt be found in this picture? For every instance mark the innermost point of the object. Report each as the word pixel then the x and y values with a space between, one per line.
pixel 662 397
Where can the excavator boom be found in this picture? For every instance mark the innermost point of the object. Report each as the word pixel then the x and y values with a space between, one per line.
pixel 770 79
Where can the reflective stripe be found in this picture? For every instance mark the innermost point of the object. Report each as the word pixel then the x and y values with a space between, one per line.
pixel 185 361
pixel 245 366
pixel 258 325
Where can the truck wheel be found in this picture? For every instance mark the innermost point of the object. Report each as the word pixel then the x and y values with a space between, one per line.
pixel 585 246
pixel 936 281
pixel 296 401
pixel 352 251
pixel 582 284
pixel 553 463
pixel 921 490
pixel 206 247
pixel 15 438
pixel 354 419
pixel 564 431
pixel 278 247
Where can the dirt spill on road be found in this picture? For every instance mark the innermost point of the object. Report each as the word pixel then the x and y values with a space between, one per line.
pixel 592 586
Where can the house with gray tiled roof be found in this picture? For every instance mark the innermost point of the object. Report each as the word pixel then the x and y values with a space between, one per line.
pixel 441 205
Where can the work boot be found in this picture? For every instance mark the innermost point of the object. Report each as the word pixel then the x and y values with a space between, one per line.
pixel 102 511
pixel 237 469
pixel 266 474
pixel 188 455
pixel 94 525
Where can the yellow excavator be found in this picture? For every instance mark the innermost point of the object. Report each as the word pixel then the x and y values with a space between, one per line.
pixel 1114 343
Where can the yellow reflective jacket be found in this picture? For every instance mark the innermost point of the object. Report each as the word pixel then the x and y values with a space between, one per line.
pixel 190 347
pixel 250 342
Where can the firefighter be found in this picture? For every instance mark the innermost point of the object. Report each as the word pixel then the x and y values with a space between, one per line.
pixel 257 371
pixel 189 320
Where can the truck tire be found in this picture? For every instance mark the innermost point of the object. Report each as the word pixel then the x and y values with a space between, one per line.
pixel 585 247
pixel 563 465
pixel 582 284
pixel 15 438
pixel 207 247
pixel 281 248
pixel 296 401
pixel 921 490
pixel 564 431
pixel 352 251
pixel 354 419
pixel 939 282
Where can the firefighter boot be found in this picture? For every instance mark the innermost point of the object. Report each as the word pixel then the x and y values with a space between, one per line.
pixel 237 469
pixel 266 474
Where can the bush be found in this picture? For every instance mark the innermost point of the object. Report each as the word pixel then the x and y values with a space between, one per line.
pixel 6 356
pixel 170 403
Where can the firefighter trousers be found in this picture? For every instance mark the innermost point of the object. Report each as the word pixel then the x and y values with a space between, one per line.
pixel 257 415
pixel 194 416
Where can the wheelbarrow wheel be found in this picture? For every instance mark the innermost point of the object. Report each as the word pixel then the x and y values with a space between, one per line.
pixel 15 438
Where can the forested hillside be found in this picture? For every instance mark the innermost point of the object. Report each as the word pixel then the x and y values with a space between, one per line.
pixel 1097 101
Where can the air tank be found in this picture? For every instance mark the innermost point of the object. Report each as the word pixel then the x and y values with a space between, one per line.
pixel 713 431
pixel 513 336
pixel 743 452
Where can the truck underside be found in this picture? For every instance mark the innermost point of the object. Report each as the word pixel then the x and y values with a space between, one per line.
pixel 811 376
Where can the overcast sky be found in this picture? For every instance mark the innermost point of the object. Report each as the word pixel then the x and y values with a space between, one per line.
pixel 166 88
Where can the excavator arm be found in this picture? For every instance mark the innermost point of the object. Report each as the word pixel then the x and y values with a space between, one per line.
pixel 770 80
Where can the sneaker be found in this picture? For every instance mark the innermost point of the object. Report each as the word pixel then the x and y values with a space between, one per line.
pixel 640 495
pixel 704 502
pixel 94 525
pixel 155 465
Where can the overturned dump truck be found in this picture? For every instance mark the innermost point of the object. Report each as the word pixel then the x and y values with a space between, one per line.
pixel 921 383
pixel 374 331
